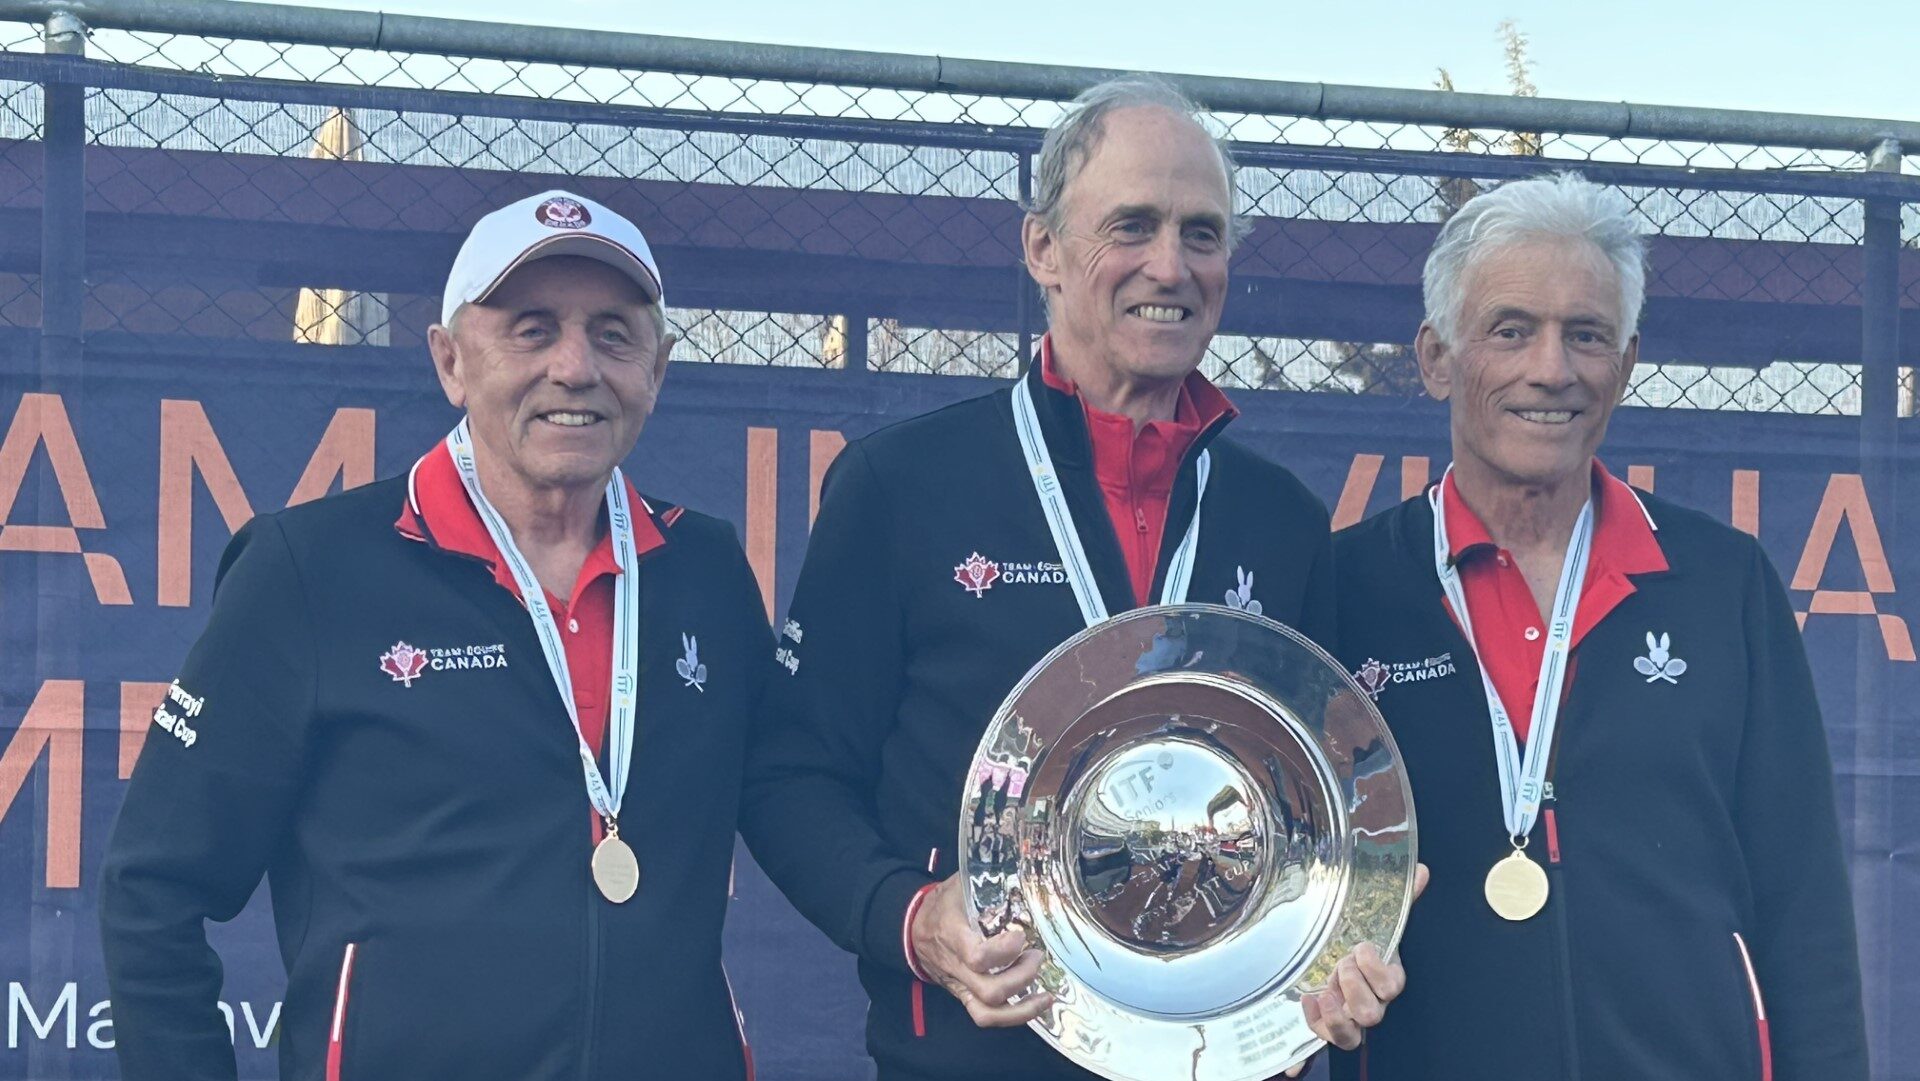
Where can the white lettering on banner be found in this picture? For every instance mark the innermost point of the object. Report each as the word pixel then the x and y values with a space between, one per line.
pixel 18 1004
pixel 104 1024
pixel 261 1036
pixel 63 1012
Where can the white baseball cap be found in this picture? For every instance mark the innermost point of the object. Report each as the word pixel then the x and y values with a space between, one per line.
pixel 551 223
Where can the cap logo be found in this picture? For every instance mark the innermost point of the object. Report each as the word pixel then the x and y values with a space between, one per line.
pixel 559 213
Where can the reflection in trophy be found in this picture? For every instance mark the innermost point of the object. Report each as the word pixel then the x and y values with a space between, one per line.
pixel 1194 813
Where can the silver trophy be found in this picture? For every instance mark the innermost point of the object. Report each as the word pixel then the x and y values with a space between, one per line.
pixel 1194 812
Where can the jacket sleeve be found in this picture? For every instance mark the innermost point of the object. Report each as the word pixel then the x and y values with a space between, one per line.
pixel 807 810
pixel 1803 944
pixel 205 812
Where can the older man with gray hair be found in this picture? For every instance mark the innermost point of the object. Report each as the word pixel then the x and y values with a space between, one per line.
pixel 1639 875
pixel 933 582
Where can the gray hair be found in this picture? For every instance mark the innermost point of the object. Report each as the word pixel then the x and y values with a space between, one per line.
pixel 1563 205
pixel 1071 141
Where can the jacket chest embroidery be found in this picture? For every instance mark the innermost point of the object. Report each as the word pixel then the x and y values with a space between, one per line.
pixel 977 574
pixel 1660 663
pixel 1241 596
pixel 689 666
pixel 406 663
pixel 1375 675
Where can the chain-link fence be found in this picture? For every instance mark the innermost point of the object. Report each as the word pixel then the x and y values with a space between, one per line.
pixel 238 191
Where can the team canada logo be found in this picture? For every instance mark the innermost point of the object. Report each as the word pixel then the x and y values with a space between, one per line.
pixel 404 663
pixel 1373 677
pixel 562 213
pixel 977 574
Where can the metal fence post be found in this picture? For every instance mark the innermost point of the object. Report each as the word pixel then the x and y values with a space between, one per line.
pixel 856 355
pixel 1879 418
pixel 63 218
pixel 1880 304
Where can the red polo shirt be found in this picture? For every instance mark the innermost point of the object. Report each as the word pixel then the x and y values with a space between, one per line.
pixel 1509 631
pixel 438 512
pixel 1136 469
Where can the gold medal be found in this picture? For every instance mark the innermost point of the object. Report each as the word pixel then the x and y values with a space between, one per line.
pixel 615 870
pixel 1516 887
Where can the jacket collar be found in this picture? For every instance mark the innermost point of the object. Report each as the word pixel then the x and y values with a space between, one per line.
pixel 1624 533
pixel 438 513
pixel 1064 422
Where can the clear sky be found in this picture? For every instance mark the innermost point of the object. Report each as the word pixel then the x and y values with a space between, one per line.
pixel 1839 57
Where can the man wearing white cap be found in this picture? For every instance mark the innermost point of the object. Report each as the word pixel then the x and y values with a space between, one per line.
pixel 480 726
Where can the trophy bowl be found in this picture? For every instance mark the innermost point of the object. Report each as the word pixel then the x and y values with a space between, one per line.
pixel 1194 812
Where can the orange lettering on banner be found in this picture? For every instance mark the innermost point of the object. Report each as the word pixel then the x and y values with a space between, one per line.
pixel 763 503
pixel 188 446
pixel 1361 477
pixel 1746 501
pixel 345 454
pixel 54 722
pixel 1641 477
pixel 137 703
pixel 1415 472
pixel 824 446
pixel 41 420
pixel 1846 501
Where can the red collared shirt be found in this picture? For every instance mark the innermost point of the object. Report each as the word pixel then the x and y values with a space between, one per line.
pixel 439 513
pixel 1136 469
pixel 1509 632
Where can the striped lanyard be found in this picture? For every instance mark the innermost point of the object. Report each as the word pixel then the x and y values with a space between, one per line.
pixel 1522 780
pixel 1066 538
pixel 604 794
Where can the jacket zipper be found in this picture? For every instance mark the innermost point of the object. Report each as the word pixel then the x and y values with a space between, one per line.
pixel 1557 898
pixel 593 985
pixel 336 1034
pixel 1759 1010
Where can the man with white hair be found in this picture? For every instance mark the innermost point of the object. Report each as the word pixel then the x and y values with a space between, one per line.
pixel 934 581
pixel 1639 875
pixel 376 720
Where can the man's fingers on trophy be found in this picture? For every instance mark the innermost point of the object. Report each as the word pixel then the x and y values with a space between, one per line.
pixel 998 988
pixel 990 1000
pixel 996 954
pixel 1420 876
pixel 1326 1013
pixel 1363 1006
pixel 1299 1068
pixel 1385 978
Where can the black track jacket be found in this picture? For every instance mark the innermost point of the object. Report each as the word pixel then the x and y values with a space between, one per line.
pixel 427 841
pixel 1692 832
pixel 896 668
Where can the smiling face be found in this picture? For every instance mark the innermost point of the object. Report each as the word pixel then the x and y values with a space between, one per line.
pixel 557 371
pixel 1540 361
pixel 1136 275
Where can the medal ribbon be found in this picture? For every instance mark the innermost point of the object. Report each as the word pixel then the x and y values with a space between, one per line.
pixel 604 794
pixel 1522 782
pixel 1066 538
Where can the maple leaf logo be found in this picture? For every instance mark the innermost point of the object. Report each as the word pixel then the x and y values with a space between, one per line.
pixel 977 574
pixel 1373 677
pixel 404 663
